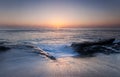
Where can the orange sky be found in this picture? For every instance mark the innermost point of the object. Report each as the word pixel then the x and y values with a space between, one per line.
pixel 63 13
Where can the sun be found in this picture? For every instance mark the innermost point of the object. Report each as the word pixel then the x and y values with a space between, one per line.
pixel 57 24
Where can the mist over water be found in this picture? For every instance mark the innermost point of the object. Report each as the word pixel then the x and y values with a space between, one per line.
pixel 56 41
pixel 22 62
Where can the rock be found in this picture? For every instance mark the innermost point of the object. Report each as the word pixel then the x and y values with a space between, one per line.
pixel 42 52
pixel 101 42
pixel 88 48
pixel 4 48
pixel 2 42
pixel 51 57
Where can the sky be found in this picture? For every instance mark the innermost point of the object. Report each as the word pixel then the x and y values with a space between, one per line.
pixel 59 13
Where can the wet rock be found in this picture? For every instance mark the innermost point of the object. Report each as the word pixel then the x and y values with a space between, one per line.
pixel 3 41
pixel 116 46
pixel 102 46
pixel 42 52
pixel 101 42
pixel 4 48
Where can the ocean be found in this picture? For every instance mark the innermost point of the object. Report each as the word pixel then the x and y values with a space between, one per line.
pixel 57 42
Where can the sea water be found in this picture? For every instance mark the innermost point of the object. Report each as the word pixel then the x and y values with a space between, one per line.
pixel 22 62
pixel 57 41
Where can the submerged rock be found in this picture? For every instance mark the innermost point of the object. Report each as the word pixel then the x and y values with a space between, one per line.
pixel 102 46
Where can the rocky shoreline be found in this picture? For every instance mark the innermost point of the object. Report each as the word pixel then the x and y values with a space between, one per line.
pixel 106 46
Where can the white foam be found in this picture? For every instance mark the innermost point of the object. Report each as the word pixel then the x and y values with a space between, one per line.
pixel 58 50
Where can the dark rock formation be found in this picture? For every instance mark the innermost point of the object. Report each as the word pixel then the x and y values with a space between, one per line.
pixel 4 48
pixel 2 42
pixel 42 52
pixel 101 42
pixel 103 46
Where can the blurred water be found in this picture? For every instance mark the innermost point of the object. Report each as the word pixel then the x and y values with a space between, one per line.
pixel 63 35
pixel 20 62
pixel 55 41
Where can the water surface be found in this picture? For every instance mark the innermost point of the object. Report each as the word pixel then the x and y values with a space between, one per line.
pixel 21 62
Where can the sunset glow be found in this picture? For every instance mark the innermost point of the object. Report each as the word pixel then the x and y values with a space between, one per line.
pixel 60 13
pixel 59 38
